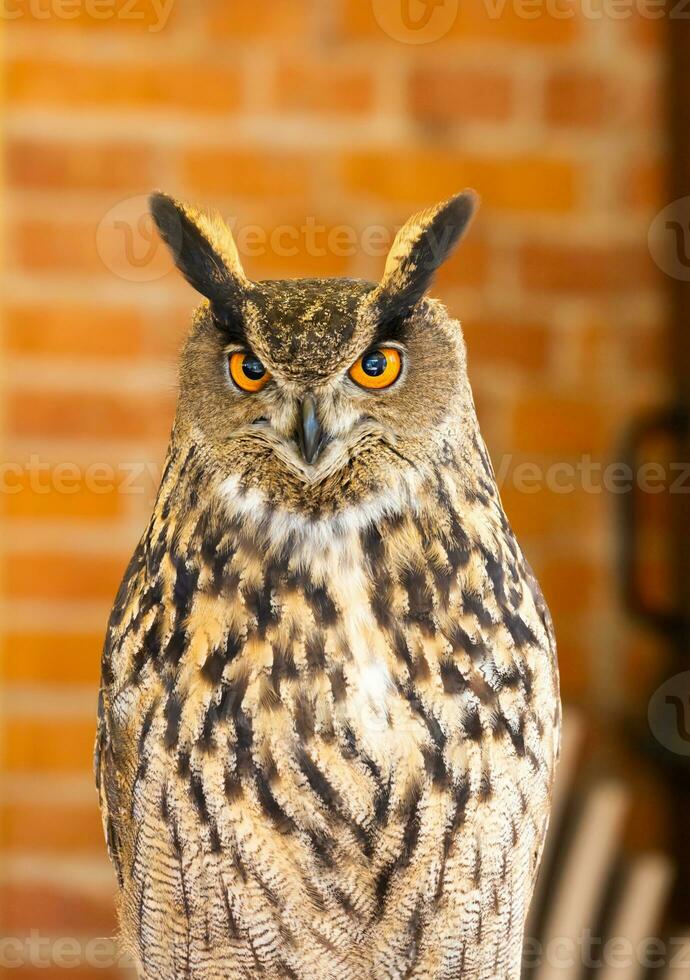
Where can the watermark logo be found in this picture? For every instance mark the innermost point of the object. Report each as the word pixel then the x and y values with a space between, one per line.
pixel 150 15
pixel 129 244
pixel 669 239
pixel 423 21
pixel 415 21
pixel 40 477
pixel 669 714
pixel 585 950
pixel 64 952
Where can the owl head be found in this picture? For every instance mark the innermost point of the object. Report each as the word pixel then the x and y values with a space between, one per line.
pixel 321 394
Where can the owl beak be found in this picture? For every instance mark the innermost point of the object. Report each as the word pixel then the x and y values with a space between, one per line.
pixel 310 431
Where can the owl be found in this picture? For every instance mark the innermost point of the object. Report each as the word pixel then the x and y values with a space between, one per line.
pixel 329 711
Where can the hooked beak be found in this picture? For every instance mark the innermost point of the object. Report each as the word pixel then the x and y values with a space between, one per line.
pixel 310 431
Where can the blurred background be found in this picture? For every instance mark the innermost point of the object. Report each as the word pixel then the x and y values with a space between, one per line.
pixel 316 129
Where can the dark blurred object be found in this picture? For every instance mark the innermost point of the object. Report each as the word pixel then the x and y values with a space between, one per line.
pixel 662 608
pixel 673 621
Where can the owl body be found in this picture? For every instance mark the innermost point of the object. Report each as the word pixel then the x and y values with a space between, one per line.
pixel 329 710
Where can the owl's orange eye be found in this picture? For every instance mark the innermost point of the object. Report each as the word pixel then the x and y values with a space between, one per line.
pixel 377 368
pixel 247 371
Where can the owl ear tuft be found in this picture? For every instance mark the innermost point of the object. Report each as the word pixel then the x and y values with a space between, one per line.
pixel 203 250
pixel 422 245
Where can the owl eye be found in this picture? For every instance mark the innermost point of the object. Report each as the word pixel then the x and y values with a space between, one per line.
pixel 247 371
pixel 377 368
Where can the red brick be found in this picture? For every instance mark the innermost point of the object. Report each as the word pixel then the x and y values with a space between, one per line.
pixel 64 577
pixel 594 348
pixel 248 173
pixel 78 166
pixel 600 348
pixel 284 239
pixel 649 348
pixel 524 346
pixel 276 260
pixel 82 248
pixel 531 184
pixel 57 247
pixel 579 98
pixel 33 828
pixel 178 85
pixel 561 426
pixel 103 246
pixel 469 266
pixel 546 513
pixel 382 18
pixel 586 269
pixel 166 329
pixel 447 94
pixel 51 658
pixel 117 16
pixel 643 104
pixel 645 656
pixel 53 329
pixel 644 186
pixel 311 85
pixel 292 245
pixel 51 910
pixel 281 19
pixel 557 23
pixel 574 659
pixel 648 25
pixel 79 502
pixel 41 414
pixel 570 584
pixel 655 572
pixel 47 745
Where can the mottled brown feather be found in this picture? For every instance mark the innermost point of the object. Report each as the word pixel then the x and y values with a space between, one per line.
pixel 329 711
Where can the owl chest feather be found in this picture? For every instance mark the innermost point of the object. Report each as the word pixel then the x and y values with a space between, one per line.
pixel 348 738
pixel 329 712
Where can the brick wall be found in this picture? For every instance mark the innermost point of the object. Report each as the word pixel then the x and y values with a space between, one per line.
pixel 299 115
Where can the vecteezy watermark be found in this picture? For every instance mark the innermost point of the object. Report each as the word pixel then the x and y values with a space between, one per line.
pixel 128 243
pixel 592 476
pixel 153 15
pixel 669 714
pixel 588 9
pixel 593 952
pixel 669 239
pixel 130 247
pixel 587 950
pixel 424 21
pixel 39 477
pixel 416 21
pixel 63 952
